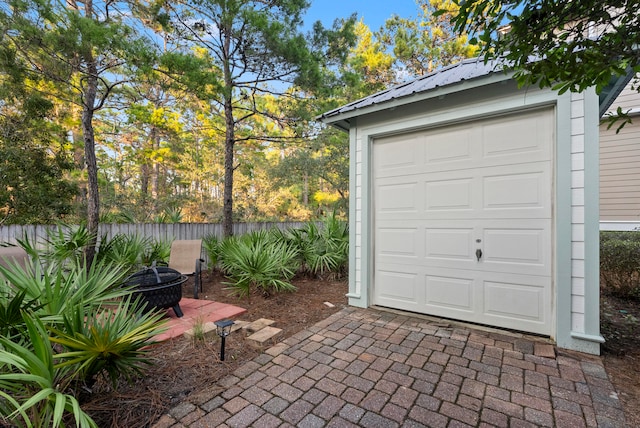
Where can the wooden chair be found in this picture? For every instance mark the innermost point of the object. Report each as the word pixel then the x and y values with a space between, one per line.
pixel 12 256
pixel 186 258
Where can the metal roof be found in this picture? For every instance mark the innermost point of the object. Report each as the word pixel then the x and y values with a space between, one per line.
pixel 447 77
pixel 468 69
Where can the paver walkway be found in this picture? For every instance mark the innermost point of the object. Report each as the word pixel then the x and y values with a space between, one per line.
pixel 371 368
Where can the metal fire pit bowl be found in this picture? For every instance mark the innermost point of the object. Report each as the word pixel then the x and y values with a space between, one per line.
pixel 159 287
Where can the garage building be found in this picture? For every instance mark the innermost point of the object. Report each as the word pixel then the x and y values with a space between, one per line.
pixel 476 200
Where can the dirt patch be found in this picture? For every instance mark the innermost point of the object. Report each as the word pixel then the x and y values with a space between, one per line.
pixel 182 367
pixel 620 321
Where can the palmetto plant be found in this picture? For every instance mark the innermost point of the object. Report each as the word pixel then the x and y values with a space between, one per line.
pixel 322 249
pixel 55 290
pixel 66 243
pixel 157 250
pixel 12 307
pixel 133 251
pixel 107 341
pixel 256 260
pixel 212 245
pixel 126 250
pixel 74 324
pixel 170 215
pixel 34 391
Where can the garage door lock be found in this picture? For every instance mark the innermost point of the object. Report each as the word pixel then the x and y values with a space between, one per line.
pixel 479 254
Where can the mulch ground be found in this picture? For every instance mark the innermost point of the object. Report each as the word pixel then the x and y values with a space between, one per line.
pixel 620 326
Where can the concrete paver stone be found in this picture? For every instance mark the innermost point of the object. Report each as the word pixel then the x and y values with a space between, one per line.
pixel 264 335
pixel 257 325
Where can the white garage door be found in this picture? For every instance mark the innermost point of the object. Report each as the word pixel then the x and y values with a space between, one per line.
pixel 462 220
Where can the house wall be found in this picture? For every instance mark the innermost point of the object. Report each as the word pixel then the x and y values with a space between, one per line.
pixel 576 288
pixel 620 167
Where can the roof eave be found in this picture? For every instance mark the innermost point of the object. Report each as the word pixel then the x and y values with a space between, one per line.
pixel 617 84
pixel 341 120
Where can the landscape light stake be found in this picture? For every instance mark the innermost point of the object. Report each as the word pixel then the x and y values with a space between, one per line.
pixel 223 328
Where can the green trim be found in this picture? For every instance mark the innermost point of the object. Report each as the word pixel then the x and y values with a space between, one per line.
pixel 367 220
pixel 563 225
pixel 609 94
pixel 590 340
pixel 592 215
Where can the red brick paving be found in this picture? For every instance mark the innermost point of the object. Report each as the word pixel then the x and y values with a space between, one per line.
pixel 196 311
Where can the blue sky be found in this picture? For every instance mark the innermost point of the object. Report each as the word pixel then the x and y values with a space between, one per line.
pixel 374 12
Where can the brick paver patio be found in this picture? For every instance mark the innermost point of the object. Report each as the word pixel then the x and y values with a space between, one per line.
pixel 371 368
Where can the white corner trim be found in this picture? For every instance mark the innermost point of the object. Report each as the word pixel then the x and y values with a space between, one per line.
pixel 618 226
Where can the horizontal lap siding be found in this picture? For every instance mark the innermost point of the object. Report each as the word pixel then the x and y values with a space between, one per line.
pixel 577 215
pixel 628 98
pixel 620 163
pixel 620 172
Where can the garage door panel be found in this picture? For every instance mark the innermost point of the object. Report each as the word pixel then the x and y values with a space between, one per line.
pixel 398 153
pixel 449 194
pixel 450 292
pixel 519 306
pixel 514 191
pixel 395 198
pixel 449 243
pixel 517 192
pixel 514 301
pixel 397 242
pixel 399 287
pixel 509 139
pixel 451 247
pixel 449 146
pixel 520 251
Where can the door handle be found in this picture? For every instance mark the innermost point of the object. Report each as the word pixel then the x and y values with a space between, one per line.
pixel 478 254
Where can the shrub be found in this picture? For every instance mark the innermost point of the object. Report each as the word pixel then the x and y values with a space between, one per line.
pixel 157 250
pixel 62 326
pixel 34 391
pixel 107 341
pixel 323 250
pixel 256 260
pixel 620 263
pixel 124 250
pixel 133 251
pixel 66 244
pixel 211 245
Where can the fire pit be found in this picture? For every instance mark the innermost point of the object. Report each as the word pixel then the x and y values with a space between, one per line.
pixel 159 287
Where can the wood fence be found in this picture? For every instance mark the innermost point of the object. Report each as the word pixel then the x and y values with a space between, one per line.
pixel 36 234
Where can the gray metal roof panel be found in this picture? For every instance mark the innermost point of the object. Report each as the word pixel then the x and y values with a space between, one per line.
pixel 465 70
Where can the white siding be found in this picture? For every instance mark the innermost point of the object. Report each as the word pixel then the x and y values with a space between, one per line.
pixel 358 245
pixel 577 215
